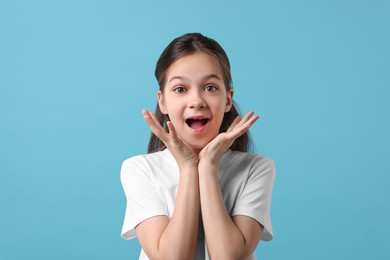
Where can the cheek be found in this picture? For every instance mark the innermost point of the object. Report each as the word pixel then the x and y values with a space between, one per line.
pixel 221 106
pixel 169 104
pixel 174 112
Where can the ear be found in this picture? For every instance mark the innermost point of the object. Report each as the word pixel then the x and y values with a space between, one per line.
pixel 229 100
pixel 161 102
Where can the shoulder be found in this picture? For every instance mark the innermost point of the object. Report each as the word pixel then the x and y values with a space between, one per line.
pixel 248 164
pixel 251 159
pixel 150 159
pixel 148 166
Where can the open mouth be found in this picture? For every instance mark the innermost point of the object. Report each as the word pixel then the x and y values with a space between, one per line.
pixel 195 123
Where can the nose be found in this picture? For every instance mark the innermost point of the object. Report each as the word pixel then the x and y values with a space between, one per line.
pixel 196 101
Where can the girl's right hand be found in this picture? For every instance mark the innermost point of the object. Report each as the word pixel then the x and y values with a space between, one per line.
pixel 183 155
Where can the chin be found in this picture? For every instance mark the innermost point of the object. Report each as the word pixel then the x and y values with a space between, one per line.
pixel 197 145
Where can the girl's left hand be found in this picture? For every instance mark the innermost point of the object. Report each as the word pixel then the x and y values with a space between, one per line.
pixel 214 150
pixel 183 155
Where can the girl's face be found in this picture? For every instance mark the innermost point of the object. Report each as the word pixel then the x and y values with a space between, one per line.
pixel 195 99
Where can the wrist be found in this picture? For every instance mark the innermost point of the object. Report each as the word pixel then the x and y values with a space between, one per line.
pixel 189 177
pixel 207 166
pixel 188 168
pixel 207 162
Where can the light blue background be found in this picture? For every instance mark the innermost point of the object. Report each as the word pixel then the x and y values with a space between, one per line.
pixel 74 76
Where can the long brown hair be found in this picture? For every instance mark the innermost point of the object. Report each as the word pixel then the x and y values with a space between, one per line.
pixel 186 45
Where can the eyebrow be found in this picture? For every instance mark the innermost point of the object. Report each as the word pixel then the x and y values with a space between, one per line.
pixel 211 76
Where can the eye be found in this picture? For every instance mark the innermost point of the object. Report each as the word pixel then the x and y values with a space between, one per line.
pixel 210 88
pixel 179 90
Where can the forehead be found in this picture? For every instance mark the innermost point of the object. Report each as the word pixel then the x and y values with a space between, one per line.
pixel 194 66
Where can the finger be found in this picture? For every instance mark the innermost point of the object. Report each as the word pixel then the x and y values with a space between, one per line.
pixel 147 117
pixel 243 128
pixel 154 125
pixel 234 123
pixel 155 119
pixel 240 120
pixel 172 132
pixel 250 122
pixel 245 118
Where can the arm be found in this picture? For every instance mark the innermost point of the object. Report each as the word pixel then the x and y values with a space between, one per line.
pixel 227 238
pixel 175 238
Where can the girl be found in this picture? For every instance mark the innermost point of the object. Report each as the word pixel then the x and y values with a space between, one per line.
pixel 197 194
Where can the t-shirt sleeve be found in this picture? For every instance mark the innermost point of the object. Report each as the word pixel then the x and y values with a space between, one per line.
pixel 142 198
pixel 255 199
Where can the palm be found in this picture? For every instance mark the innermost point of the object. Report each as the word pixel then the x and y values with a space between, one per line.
pixel 214 150
pixel 180 151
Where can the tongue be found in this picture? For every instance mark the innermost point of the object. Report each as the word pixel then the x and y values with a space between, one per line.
pixel 196 124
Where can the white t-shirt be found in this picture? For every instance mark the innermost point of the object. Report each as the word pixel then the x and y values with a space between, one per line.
pixel 150 183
